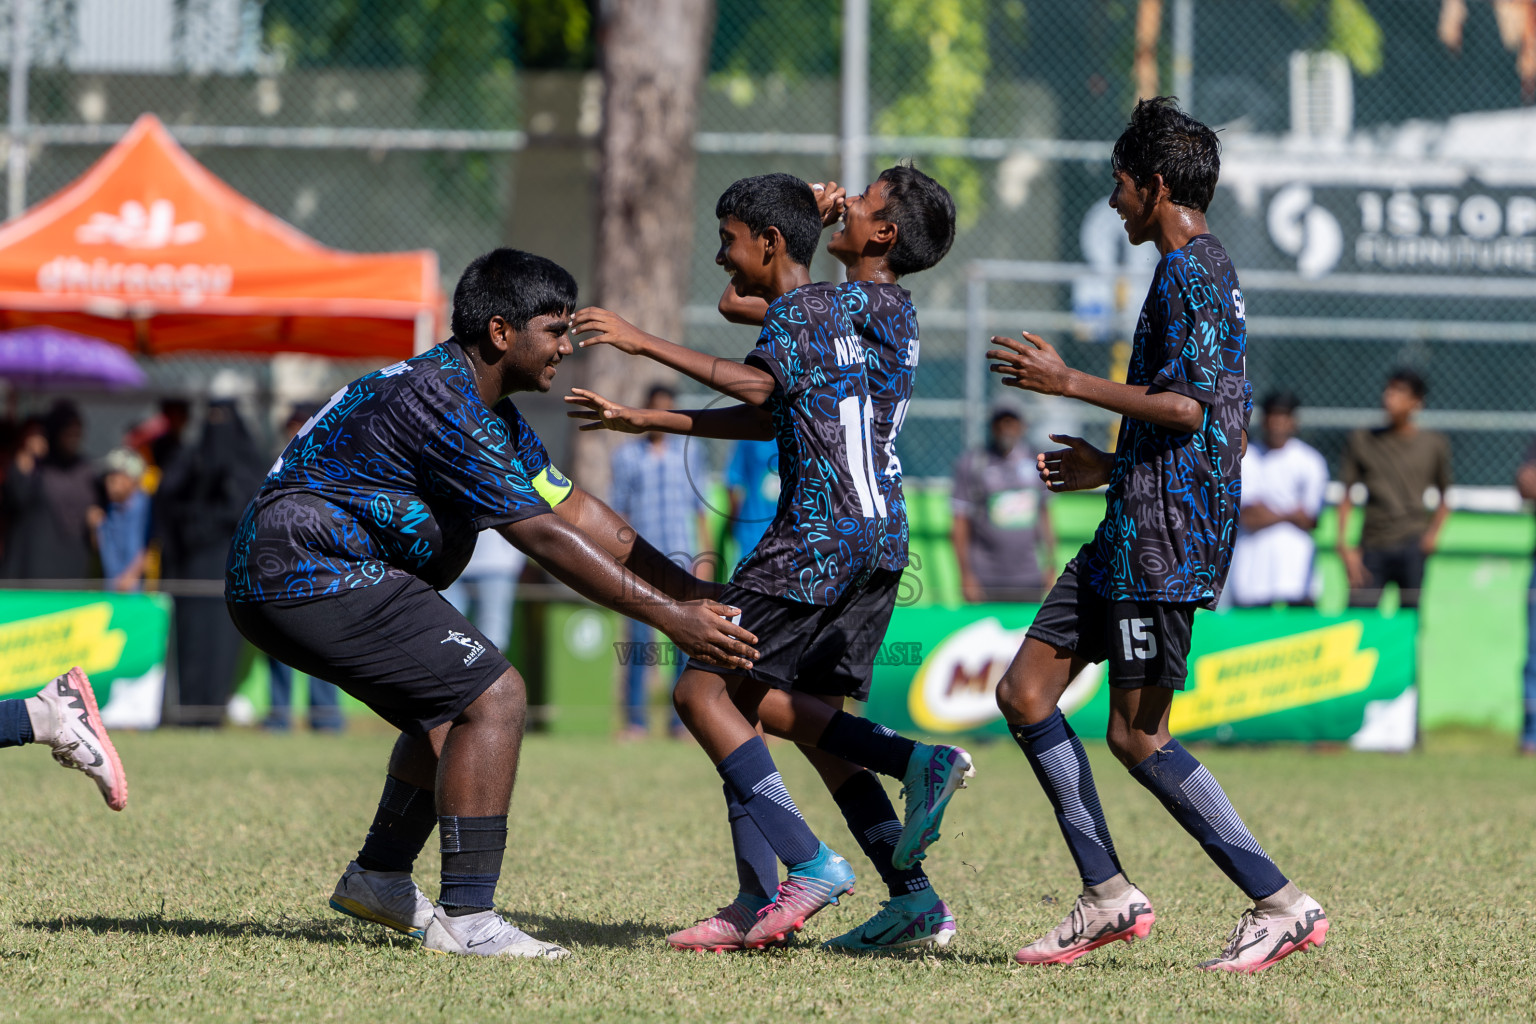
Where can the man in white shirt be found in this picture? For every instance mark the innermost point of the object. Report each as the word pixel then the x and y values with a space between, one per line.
pixel 1284 480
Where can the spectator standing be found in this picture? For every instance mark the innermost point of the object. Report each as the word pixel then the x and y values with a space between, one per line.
pixel 201 498
pixel 1525 479
pixel 752 480
pixel 1398 463
pixel 1284 483
pixel 122 526
pixel 655 488
pixel 1001 530
pixel 324 699
pixel 49 494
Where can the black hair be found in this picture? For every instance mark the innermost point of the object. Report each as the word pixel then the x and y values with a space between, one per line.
pixel 780 201
pixel 60 417
pixel 1411 380
pixel 514 285
pixel 1005 413
pixel 1280 401
pixel 660 389
pixel 1162 139
pixel 924 214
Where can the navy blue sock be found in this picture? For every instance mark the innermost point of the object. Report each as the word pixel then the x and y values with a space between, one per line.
pixel 472 849
pixel 750 773
pixel 1061 765
pixel 757 869
pixel 15 723
pixel 868 744
pixel 873 822
pixel 401 825
pixel 1197 802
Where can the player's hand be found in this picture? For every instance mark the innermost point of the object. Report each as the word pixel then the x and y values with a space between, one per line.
pixel 1354 568
pixel 1430 542
pixel 608 328
pixel 704 630
pixel 971 591
pixel 831 201
pixel 1030 365
pixel 605 415
pixel 1077 467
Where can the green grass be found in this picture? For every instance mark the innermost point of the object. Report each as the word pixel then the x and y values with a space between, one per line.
pixel 206 900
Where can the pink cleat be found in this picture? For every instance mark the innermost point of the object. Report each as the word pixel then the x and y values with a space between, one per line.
pixel 1258 943
pixel 1090 926
pixel 78 738
pixel 726 932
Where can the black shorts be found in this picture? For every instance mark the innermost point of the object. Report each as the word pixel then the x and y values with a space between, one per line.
pixel 1145 642
pixel 827 650
pixel 397 646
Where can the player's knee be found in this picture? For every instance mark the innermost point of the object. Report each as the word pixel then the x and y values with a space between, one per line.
pixel 1130 745
pixel 693 692
pixel 504 701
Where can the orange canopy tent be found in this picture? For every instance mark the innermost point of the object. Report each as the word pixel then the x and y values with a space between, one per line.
pixel 150 250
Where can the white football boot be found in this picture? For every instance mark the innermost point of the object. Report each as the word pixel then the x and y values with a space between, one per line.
pixel 389 898
pixel 485 934
pixel 78 738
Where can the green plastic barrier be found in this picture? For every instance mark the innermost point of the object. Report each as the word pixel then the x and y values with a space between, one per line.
pixel 579 657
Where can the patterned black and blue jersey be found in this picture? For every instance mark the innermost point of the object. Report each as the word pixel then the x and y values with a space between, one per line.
pixel 884 317
pixel 1174 497
pixel 826 533
pixel 395 475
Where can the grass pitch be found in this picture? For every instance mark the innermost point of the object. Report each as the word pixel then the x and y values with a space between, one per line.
pixel 206 900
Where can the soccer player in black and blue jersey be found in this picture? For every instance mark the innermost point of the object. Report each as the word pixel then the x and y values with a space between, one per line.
pixel 1162 550
pixel 813 590
pixel 903 223
pixel 371 510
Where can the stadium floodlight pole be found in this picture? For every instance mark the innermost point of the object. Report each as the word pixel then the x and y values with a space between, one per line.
pixel 1184 52
pixel 16 132
pixel 855 72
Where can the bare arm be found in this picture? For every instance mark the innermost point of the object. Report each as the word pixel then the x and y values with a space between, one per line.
pixel 960 540
pixel 1047 538
pixel 742 309
pixel 613 534
pixel 732 423
pixel 701 628
pixel 735 380
pixel 1034 365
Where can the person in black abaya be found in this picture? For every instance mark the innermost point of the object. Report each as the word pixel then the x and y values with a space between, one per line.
pixel 48 494
pixel 202 495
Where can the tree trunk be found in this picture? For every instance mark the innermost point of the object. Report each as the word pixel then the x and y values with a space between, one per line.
pixel 653 54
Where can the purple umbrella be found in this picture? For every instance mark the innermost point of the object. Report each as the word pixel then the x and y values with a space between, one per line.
pixel 46 358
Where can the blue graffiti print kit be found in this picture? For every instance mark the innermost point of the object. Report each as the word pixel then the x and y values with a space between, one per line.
pixel 394 476
pixel 826 534
pixel 1173 497
pixel 882 313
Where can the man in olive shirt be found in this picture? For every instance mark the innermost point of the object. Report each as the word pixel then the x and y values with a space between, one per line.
pixel 1397 463
pixel 1001 523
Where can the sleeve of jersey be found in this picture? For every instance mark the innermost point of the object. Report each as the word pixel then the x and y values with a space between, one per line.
pixel 548 481
pixel 776 349
pixel 475 463
pixel 1195 327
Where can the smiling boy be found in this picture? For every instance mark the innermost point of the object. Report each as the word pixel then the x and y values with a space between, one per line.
pixel 373 508
pixel 1162 550
pixel 813 589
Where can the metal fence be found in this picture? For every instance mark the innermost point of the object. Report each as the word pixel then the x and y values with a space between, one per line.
pixel 1378 191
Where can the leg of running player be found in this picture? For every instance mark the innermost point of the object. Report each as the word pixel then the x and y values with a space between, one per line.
pixel 1283 920
pixel 930 775
pixel 914 916
pixel 1110 908
pixel 64 715
pixel 817 876
pixel 377 885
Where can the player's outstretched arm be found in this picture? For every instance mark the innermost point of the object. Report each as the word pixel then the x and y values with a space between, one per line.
pixel 1034 365
pixel 732 423
pixel 736 380
pixel 592 516
pixel 1077 467
pixel 701 628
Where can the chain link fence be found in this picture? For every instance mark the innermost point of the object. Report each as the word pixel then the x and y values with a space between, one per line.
pixel 1378 191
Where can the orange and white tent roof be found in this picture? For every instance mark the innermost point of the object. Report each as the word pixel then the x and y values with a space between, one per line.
pixel 151 250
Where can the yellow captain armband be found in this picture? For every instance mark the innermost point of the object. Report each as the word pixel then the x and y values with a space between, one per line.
pixel 552 487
